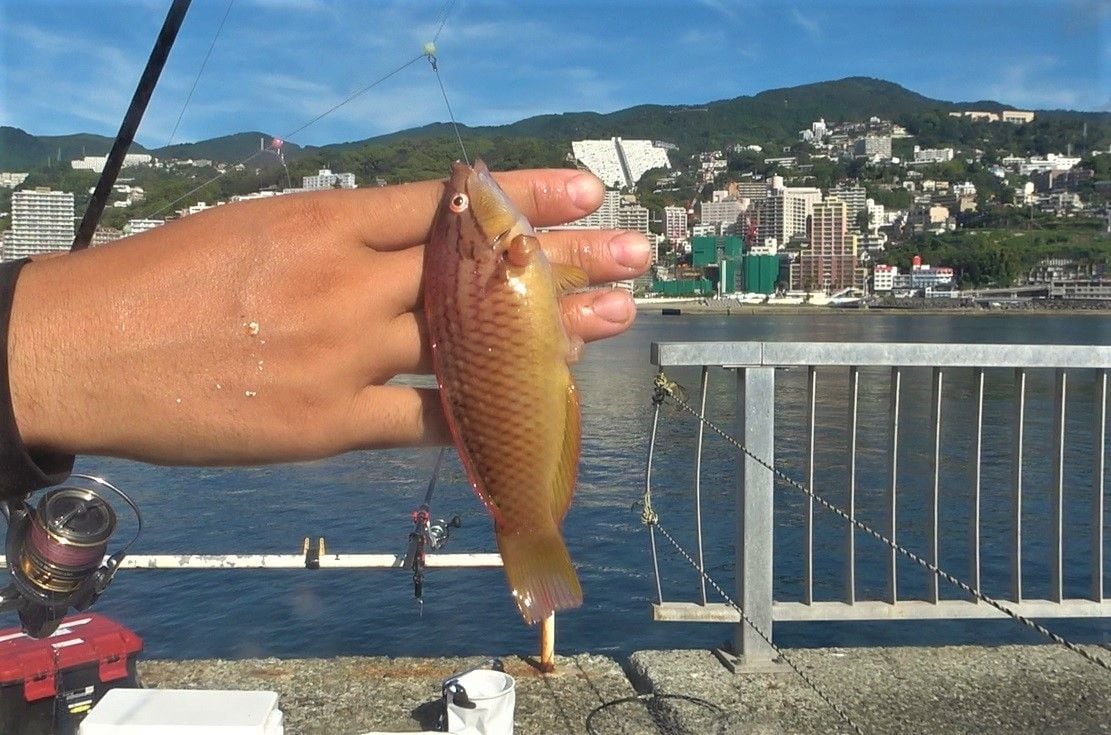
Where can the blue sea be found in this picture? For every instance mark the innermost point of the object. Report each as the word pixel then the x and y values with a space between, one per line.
pixel 361 503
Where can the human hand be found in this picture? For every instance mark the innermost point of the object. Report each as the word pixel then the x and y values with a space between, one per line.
pixel 266 331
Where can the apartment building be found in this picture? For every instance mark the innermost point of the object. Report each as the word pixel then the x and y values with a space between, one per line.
pixel 42 222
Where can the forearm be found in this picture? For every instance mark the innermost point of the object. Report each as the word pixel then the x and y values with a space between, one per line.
pixel 24 466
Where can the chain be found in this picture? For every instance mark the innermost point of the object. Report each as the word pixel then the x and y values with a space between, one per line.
pixel 662 384
pixel 744 616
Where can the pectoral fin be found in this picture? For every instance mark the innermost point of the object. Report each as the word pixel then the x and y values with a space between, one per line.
pixel 569 277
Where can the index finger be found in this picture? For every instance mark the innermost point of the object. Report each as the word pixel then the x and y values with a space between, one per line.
pixel 394 217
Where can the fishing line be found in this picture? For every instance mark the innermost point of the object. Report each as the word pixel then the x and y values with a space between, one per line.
pixel 300 129
pixel 443 20
pixel 430 52
pixel 200 71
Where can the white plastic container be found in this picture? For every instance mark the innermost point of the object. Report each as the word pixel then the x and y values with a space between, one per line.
pixel 494 697
pixel 184 712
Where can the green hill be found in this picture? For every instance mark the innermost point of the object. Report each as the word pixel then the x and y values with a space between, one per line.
pixel 227 149
pixel 20 151
pixel 773 117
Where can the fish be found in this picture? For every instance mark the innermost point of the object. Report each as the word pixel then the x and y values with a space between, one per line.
pixel 502 357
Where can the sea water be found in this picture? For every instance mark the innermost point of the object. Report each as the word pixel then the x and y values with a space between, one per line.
pixel 361 503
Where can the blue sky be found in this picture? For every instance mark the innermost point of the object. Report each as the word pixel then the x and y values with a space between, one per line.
pixel 69 66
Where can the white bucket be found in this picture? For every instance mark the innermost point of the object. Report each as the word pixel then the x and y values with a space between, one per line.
pixel 493 695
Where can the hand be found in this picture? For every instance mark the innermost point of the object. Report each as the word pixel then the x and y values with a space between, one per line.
pixel 265 331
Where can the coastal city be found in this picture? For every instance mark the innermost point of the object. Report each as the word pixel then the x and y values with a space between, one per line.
pixel 854 213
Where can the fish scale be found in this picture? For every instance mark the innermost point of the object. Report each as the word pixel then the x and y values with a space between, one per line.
pixel 500 355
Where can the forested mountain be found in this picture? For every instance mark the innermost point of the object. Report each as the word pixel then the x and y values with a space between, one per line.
pixel 771 117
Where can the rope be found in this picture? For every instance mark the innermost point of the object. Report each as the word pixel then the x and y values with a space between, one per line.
pixel 767 639
pixel 662 383
pixel 663 387
pixel 651 702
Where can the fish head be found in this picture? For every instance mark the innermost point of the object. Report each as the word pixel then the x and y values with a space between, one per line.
pixel 478 212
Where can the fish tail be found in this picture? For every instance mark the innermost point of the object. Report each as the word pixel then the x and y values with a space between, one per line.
pixel 539 571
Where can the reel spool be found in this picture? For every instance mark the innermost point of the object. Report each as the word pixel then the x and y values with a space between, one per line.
pixel 56 552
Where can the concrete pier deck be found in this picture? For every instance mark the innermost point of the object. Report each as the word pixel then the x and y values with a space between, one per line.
pixel 937 690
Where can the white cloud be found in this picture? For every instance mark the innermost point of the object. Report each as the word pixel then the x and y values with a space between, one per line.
pixel 807 23
pixel 723 7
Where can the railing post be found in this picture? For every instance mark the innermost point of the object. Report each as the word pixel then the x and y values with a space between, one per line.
pixel 756 419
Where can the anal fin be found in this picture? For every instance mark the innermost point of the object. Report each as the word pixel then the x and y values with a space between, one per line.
pixel 563 482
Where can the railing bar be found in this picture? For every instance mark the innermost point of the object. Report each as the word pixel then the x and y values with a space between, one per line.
pixel 656 563
pixel 808 541
pixel 893 481
pixel 698 484
pixel 647 491
pixel 977 458
pixel 850 530
pixel 935 419
pixel 1099 470
pixel 1060 397
pixel 1016 484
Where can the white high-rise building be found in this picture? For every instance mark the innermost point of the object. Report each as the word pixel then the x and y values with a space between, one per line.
pixel 135 226
pixel 96 164
pixel 12 179
pixel 42 222
pixel 675 223
pixel 633 217
pixel 784 211
pixel 325 179
pixel 854 196
pixel 725 211
pixel 620 163
pixel 605 217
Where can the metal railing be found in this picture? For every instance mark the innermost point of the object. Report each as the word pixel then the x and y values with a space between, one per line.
pixel 1074 449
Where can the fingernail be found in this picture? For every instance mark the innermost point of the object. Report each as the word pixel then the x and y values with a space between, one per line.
pixel 630 249
pixel 613 306
pixel 585 191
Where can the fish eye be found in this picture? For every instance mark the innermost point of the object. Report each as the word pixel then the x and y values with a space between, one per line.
pixel 458 203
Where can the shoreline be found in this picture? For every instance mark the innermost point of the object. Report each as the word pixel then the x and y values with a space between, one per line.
pixel 697 308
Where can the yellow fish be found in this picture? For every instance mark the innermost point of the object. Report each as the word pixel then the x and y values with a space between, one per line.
pixel 501 355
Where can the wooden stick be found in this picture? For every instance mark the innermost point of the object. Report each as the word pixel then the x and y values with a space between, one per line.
pixel 547 644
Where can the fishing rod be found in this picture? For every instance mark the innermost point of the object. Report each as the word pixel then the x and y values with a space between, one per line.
pixel 426 534
pixel 131 119
pixel 55 551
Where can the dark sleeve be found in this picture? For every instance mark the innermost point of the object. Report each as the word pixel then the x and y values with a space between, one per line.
pixel 21 471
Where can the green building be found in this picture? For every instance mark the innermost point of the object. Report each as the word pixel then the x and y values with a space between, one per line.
pixel 712 250
pixel 761 273
pixel 686 287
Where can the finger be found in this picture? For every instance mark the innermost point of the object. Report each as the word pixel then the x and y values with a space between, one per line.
pixel 605 255
pixel 394 217
pixel 592 315
pixel 396 416
pixel 598 314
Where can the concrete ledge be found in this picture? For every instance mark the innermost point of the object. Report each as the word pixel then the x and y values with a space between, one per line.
pixel 939 690
pixel 352 695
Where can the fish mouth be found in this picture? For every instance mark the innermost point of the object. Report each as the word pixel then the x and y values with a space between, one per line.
pixel 491 207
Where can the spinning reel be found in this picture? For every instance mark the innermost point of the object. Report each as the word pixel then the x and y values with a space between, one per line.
pixel 56 550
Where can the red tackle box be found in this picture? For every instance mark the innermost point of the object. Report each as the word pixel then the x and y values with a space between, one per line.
pixel 47 685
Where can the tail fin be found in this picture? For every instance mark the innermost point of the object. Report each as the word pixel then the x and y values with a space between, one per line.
pixel 539 572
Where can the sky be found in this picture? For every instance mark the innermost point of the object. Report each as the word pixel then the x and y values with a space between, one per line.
pixel 69 66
